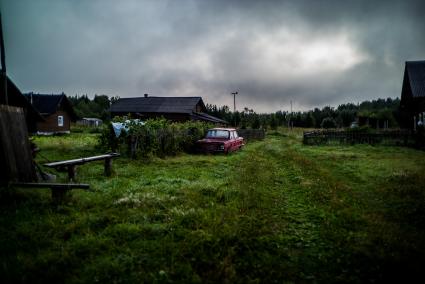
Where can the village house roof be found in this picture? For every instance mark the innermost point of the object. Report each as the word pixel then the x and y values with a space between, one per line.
pixel 414 79
pixel 207 117
pixel 185 105
pixel 16 98
pixel 193 107
pixel 49 104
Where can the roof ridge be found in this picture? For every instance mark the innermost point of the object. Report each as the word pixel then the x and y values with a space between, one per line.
pixel 160 97
pixel 38 94
pixel 415 61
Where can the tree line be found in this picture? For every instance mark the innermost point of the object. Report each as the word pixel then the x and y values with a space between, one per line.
pixel 380 112
pixel 98 107
pixel 376 113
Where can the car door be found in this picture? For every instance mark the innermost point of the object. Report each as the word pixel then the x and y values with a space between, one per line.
pixel 234 141
pixel 237 140
pixel 235 134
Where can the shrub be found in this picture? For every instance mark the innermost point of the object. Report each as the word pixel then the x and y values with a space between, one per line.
pixel 328 122
pixel 156 137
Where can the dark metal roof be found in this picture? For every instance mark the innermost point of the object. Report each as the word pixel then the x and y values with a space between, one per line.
pixel 45 104
pixel 206 117
pixel 49 104
pixel 185 105
pixel 416 73
pixel 16 98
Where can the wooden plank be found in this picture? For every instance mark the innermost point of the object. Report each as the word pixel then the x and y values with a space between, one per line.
pixel 50 185
pixel 81 161
pixel 59 190
pixel 15 152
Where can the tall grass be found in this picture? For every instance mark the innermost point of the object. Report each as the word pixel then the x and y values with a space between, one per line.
pixel 276 212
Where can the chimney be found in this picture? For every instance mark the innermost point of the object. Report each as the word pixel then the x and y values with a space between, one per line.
pixel 146 95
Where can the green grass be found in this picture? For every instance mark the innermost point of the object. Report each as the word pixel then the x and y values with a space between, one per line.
pixel 278 211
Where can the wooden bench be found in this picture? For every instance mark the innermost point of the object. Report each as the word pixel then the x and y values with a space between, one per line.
pixel 17 166
pixel 59 190
pixel 71 165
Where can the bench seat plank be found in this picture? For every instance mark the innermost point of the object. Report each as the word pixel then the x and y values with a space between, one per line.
pixel 59 190
pixel 81 161
pixel 51 185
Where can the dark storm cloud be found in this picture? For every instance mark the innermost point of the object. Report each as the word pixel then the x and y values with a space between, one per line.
pixel 314 53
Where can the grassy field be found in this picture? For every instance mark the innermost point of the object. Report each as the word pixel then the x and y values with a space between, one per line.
pixel 278 211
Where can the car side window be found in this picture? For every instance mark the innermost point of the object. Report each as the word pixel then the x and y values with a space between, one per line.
pixel 235 134
pixel 232 135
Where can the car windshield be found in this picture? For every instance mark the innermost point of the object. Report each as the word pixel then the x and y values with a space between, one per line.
pixel 217 134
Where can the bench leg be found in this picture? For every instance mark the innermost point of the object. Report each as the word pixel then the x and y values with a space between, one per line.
pixel 108 167
pixel 71 172
pixel 59 194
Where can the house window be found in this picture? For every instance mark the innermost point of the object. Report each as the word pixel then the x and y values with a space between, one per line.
pixel 60 120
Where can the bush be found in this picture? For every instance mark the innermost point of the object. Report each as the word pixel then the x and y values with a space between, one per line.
pixel 361 129
pixel 156 137
pixel 328 122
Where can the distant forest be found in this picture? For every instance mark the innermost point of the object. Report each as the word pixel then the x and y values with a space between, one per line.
pixel 98 107
pixel 380 112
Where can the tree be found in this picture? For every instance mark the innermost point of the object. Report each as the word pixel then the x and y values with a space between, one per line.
pixel 309 120
pixel 273 122
pixel 98 107
pixel 256 122
pixel 328 122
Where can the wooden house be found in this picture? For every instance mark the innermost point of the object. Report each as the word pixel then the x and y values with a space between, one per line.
pixel 177 109
pixel 56 110
pixel 412 102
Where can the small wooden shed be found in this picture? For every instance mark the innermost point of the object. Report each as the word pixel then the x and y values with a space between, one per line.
pixel 90 121
pixel 56 110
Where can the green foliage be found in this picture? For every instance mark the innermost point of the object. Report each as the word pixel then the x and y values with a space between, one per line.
pixel 362 129
pixel 385 110
pixel 273 122
pixel 256 123
pixel 155 137
pixel 97 107
pixel 328 122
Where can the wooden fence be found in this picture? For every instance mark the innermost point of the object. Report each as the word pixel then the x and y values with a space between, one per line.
pixel 388 137
pixel 15 153
pixel 252 134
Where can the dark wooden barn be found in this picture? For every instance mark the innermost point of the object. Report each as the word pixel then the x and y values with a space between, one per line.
pixel 56 110
pixel 178 109
pixel 17 99
pixel 412 102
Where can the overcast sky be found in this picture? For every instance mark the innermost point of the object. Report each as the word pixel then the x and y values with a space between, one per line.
pixel 314 53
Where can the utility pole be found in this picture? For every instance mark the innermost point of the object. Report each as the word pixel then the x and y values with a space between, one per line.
pixel 234 101
pixel 3 64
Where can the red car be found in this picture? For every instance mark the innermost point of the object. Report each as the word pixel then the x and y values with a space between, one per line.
pixel 223 140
